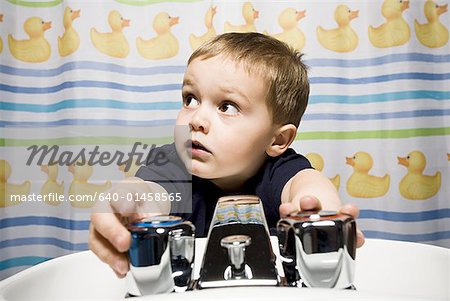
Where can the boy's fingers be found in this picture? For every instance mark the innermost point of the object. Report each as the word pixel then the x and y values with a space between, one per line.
pixel 109 227
pixel 286 209
pixel 312 203
pixel 108 254
pixel 350 210
pixel 354 211
pixel 308 203
pixel 360 239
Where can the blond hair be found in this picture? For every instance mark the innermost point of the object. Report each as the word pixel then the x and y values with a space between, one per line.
pixel 280 66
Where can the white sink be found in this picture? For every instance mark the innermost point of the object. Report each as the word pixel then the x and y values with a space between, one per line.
pixel 385 270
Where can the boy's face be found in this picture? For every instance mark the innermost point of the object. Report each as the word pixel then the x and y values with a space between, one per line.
pixel 230 123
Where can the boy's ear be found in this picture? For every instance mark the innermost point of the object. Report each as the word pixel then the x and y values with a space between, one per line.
pixel 282 139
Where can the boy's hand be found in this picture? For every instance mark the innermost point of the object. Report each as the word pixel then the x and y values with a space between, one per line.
pixel 312 203
pixel 108 237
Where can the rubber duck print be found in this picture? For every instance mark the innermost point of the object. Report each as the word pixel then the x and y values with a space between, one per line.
pixel 82 188
pixel 8 190
pixel 415 185
pixel 131 172
pixel 1 41
pixel 395 31
pixel 196 41
pixel 36 49
pixel 70 40
pixel 250 15
pixel 165 44
pixel 432 34
pixel 317 162
pixel 291 34
pixel 51 186
pixel 361 184
pixel 112 43
pixel 343 38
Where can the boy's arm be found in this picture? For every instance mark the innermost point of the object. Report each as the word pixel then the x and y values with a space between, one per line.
pixel 309 189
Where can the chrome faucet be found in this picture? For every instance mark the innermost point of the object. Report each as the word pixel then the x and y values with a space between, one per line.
pixel 238 250
pixel 318 249
pixel 161 254
pixel 235 245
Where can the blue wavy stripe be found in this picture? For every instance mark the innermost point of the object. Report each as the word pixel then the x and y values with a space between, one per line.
pixel 89 103
pixel 88 65
pixel 44 221
pixel 175 105
pixel 408 237
pixel 22 261
pixel 405 216
pixel 86 122
pixel 381 97
pixel 26 241
pixel 170 87
pixel 377 116
pixel 387 59
pixel 89 84
pixel 380 78
pixel 99 66
pixel 152 123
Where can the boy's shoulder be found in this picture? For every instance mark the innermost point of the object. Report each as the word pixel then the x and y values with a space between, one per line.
pixel 290 157
pixel 162 162
pixel 277 171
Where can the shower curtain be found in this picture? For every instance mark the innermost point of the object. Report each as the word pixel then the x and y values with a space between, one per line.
pixel 75 75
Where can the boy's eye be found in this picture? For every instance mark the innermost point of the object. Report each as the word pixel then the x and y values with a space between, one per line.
pixel 229 108
pixel 191 102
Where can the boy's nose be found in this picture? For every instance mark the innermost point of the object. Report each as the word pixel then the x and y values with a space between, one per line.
pixel 199 121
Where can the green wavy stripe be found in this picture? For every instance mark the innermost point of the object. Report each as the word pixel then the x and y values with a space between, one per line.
pixel 149 2
pixel 319 135
pixel 36 4
pixel 84 141
pixel 379 134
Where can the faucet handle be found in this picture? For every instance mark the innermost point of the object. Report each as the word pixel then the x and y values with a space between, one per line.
pixel 235 245
pixel 182 249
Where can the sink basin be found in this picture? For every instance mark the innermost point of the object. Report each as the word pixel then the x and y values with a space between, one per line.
pixel 385 270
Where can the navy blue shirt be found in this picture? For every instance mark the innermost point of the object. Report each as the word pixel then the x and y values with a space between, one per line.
pixel 202 195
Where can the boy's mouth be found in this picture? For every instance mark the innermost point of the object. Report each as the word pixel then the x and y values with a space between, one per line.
pixel 196 146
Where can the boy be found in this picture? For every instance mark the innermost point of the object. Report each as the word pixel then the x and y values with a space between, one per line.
pixel 243 97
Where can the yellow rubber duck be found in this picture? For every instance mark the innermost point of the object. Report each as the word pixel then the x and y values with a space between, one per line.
pixel 395 31
pixel 1 41
pixel 196 41
pixel 70 40
pixel 113 43
pixel 51 186
pixel 165 44
pixel 291 34
pixel 415 185
pixel 131 172
pixel 81 188
pixel 361 184
pixel 317 162
pixel 7 190
pixel 432 34
pixel 343 38
pixel 250 15
pixel 36 49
